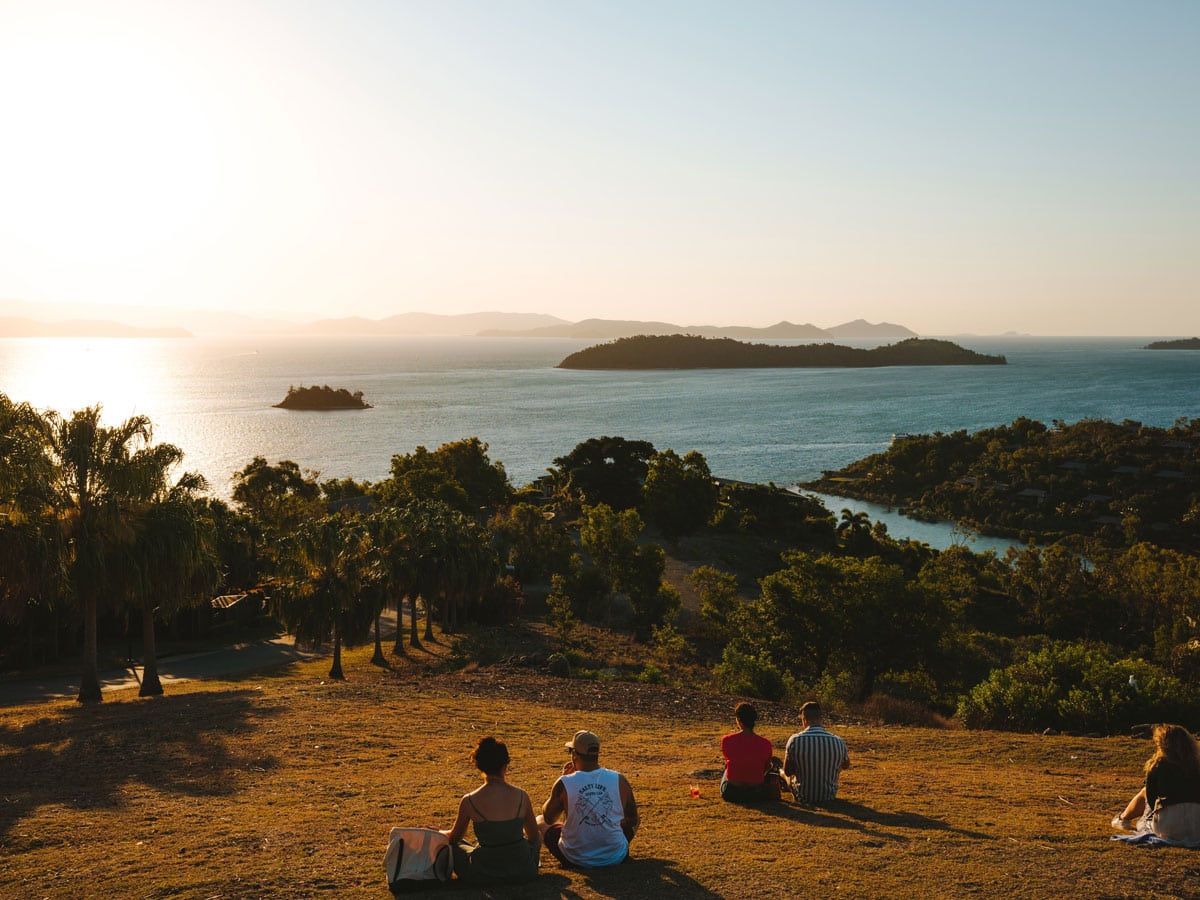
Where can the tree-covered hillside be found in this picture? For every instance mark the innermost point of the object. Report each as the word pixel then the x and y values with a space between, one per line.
pixel 1121 482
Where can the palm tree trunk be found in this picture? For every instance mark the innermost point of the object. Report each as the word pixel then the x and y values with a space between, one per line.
pixel 151 686
pixel 398 643
pixel 379 659
pixel 336 670
pixel 413 640
pixel 89 685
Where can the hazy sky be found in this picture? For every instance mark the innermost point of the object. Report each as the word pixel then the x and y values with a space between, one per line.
pixel 953 166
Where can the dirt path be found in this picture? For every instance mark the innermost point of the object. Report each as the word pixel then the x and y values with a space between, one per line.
pixel 207 664
pixel 217 663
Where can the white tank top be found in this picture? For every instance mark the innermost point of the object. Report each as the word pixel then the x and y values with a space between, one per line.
pixel 592 834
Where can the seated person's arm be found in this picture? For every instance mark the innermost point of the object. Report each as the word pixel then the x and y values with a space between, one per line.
pixel 628 805
pixel 789 767
pixel 459 828
pixel 532 832
pixel 846 762
pixel 554 808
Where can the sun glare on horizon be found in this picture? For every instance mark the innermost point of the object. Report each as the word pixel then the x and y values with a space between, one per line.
pixel 69 374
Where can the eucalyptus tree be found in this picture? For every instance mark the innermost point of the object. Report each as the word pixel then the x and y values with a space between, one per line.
pixel 679 494
pixel 101 477
pixel 278 496
pixel 459 474
pixel 608 470
pixel 322 568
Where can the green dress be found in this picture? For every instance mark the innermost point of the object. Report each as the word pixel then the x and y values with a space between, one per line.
pixel 502 854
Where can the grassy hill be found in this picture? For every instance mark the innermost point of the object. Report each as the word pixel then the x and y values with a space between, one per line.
pixel 284 784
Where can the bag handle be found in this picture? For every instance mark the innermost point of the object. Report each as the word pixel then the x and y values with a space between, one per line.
pixel 399 860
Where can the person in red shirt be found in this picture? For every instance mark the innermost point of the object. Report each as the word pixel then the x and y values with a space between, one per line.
pixel 750 764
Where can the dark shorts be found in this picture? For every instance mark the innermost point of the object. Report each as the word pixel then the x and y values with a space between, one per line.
pixel 750 793
pixel 554 832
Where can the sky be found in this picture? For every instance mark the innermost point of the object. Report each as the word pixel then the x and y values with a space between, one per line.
pixel 954 166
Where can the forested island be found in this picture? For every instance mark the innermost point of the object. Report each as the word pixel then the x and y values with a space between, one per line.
pixel 1119 482
pixel 684 351
pixel 323 397
pixel 1179 344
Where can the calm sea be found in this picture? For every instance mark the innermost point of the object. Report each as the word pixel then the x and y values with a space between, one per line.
pixel 213 397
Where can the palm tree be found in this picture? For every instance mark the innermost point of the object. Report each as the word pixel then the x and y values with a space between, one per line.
pixel 472 567
pixel 854 527
pixel 100 475
pixel 393 573
pixel 174 562
pixel 323 568
pixel 30 545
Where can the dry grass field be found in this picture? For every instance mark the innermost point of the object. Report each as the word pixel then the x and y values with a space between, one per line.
pixel 284 784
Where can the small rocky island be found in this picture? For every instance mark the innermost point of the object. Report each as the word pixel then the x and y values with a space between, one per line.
pixel 1180 344
pixel 686 351
pixel 321 398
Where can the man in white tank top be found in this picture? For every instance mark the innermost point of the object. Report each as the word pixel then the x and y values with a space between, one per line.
pixel 596 805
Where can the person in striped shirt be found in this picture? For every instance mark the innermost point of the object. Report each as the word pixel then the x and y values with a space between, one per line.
pixel 814 758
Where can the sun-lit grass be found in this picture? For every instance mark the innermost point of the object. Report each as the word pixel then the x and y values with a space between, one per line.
pixel 284 784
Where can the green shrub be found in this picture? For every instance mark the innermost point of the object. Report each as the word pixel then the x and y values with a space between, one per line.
pixel 652 674
pixel 752 675
pixel 668 647
pixel 1077 687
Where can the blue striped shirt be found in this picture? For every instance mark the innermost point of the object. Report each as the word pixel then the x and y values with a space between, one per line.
pixel 816 759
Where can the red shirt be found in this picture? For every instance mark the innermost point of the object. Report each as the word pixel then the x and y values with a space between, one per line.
pixel 746 756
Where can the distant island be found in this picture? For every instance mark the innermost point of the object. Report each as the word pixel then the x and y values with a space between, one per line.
pixel 681 351
pixel 323 397
pixel 1180 344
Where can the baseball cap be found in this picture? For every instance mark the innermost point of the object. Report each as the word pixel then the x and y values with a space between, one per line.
pixel 584 743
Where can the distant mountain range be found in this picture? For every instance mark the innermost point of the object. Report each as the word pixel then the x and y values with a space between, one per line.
pixel 19 326
pixel 601 329
pixel 429 324
pixel 496 324
pixel 101 316
pixel 24 319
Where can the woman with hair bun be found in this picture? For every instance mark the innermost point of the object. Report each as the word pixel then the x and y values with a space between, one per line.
pixel 507 838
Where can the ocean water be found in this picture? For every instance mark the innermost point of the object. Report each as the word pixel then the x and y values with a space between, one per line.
pixel 213 398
